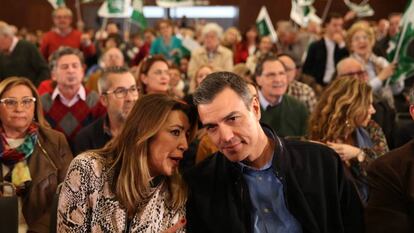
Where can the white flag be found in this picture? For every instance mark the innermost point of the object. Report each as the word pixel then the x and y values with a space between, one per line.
pixel 115 9
pixel 362 9
pixel 264 24
pixel 302 12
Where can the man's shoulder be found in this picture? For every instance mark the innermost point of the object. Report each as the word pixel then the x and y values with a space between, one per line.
pixel 397 159
pixel 90 131
pixel 208 169
pixel 309 152
pixel 293 102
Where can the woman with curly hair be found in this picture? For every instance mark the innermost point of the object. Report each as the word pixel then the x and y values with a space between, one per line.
pixel 342 120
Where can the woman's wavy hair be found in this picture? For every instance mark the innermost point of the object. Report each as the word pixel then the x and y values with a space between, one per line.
pixel 360 26
pixel 341 106
pixel 14 81
pixel 127 154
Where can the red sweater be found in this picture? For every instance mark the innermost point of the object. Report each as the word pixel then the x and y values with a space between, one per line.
pixel 51 41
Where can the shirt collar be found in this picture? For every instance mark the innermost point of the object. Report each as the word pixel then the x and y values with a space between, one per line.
pixel 13 45
pixel 264 103
pixel 81 93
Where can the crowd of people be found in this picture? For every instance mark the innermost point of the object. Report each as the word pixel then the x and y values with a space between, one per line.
pixel 190 128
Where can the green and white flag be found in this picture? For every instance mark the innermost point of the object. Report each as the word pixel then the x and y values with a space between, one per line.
pixel 137 16
pixel 401 47
pixel 115 9
pixel 362 10
pixel 264 24
pixel 302 12
pixel 56 3
pixel 174 3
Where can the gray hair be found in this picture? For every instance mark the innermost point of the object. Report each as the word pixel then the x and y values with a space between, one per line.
pixel 62 8
pixel 5 29
pixel 212 27
pixel 63 51
pixel 216 82
pixel 103 82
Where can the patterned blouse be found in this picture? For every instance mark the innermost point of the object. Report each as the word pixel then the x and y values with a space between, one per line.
pixel 87 204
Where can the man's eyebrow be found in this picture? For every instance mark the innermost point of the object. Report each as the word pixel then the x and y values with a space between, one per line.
pixel 230 115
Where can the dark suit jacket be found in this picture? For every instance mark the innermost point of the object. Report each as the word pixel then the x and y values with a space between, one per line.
pixel 391 202
pixel 91 137
pixel 315 62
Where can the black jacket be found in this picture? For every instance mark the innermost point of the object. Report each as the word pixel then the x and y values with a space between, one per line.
pixel 91 137
pixel 316 191
pixel 315 63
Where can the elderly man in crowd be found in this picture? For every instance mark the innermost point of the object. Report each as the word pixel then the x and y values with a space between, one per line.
pixel 20 58
pixel 64 35
pixel 211 53
pixel 119 92
pixel 70 107
pixel 285 114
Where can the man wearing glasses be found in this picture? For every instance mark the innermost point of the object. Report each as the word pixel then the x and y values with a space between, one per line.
pixel 119 92
pixel 286 115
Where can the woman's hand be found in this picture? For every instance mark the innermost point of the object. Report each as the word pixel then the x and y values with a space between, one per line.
pixel 178 226
pixel 387 71
pixel 346 152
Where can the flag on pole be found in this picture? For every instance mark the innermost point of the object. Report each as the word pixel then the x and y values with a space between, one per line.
pixel 174 3
pixel 264 24
pixel 56 3
pixel 137 16
pixel 362 10
pixel 115 9
pixel 401 47
pixel 302 12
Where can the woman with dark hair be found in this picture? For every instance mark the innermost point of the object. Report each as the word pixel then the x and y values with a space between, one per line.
pixel 247 46
pixel 33 157
pixel 133 183
pixel 342 120
pixel 154 76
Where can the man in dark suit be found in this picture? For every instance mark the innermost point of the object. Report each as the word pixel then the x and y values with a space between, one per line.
pixel 391 178
pixel 325 53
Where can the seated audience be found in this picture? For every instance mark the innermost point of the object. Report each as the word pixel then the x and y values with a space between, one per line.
pixel 266 46
pixel 118 91
pixel 176 83
pixel 247 46
pixel 342 120
pixel 33 157
pixel 133 183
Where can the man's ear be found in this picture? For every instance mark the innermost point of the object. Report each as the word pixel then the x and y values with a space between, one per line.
pixel 255 107
pixel 412 111
pixel 104 100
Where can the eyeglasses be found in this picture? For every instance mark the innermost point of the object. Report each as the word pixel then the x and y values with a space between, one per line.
pixel 12 103
pixel 121 92
pixel 358 74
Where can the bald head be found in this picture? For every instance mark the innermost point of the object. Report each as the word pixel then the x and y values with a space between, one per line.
pixel 113 57
pixel 351 67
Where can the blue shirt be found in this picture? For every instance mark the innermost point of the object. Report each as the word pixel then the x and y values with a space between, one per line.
pixel 269 212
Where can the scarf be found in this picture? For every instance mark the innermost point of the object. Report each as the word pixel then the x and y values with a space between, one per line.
pixel 15 158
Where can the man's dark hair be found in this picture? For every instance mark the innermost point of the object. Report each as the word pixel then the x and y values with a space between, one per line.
pixel 216 82
pixel 269 57
pixel 333 15
pixel 63 51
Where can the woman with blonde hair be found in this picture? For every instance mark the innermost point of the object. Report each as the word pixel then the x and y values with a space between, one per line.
pixel 133 183
pixel 342 120
pixel 200 74
pixel 33 157
pixel 360 41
